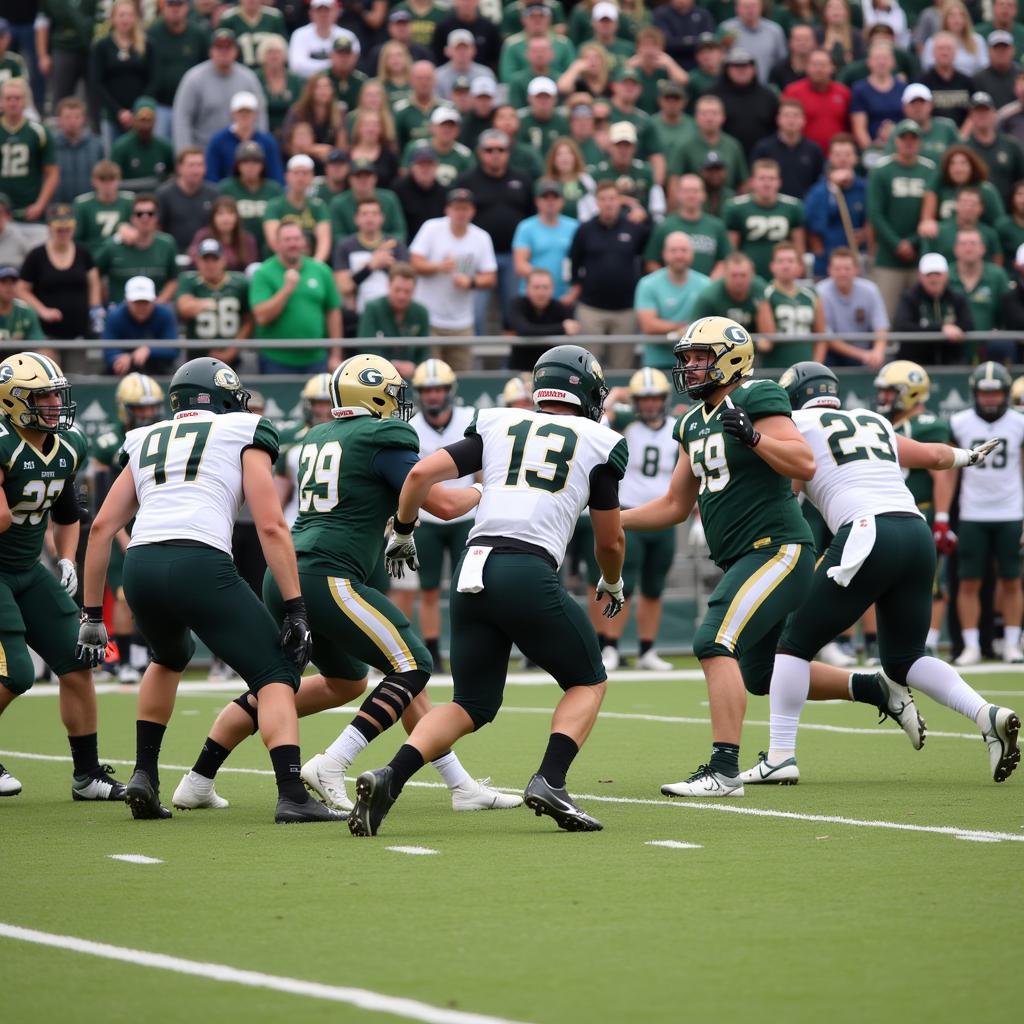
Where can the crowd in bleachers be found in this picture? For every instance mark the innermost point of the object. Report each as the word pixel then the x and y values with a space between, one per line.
pixel 250 173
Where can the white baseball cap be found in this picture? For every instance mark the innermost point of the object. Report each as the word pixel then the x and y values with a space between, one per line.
pixel 603 9
pixel 622 131
pixel 1019 257
pixel 483 85
pixel 444 115
pixel 542 86
pixel 139 289
pixel 321 3
pixel 301 160
pixel 916 91
pixel 933 263
pixel 244 101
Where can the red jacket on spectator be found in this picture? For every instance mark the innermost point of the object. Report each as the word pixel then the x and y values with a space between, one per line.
pixel 828 112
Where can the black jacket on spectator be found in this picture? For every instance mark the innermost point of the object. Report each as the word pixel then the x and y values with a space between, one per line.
pixel 950 97
pixel 801 165
pixel 485 32
pixel 749 110
pixel 999 85
pixel 606 261
pixel 182 215
pixel 66 290
pixel 784 74
pixel 918 311
pixel 418 204
pixel 682 31
pixel 501 203
pixel 527 321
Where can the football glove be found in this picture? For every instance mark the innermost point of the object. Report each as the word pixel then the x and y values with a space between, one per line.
pixel 400 552
pixel 92 638
pixel 295 639
pixel 68 576
pixel 979 454
pixel 615 595
pixel 736 423
pixel 945 538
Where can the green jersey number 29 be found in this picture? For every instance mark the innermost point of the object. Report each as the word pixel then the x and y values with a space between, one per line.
pixel 319 468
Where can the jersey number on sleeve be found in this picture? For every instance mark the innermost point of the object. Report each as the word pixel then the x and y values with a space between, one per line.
pixel 559 459
pixel 319 469
pixel 707 454
pixel 154 449
pixel 856 438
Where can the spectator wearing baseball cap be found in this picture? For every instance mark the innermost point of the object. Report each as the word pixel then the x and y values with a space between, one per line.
pixel 763 39
pixel 671 122
pixel 931 306
pixel 141 318
pixel 479 115
pixel 179 43
pixel 709 56
pixel 309 49
pixel 202 104
pixel 537 21
pixel 1002 154
pixel 750 106
pixel 452 156
pixel 999 77
pixel 297 206
pixel 937 133
pixel 627 87
pixel 223 145
pixel 460 49
pixel 683 22
pixel 542 123
pixel 251 190
pixel 632 176
pixel 18 320
pixel 334 181
pixel 606 31
pixel 1004 19
pixel 346 78
pixel 465 14
pixel 543 241
pixel 363 183
pixel 419 194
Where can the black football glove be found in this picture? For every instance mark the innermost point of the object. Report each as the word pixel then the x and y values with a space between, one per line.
pixel 737 423
pixel 295 639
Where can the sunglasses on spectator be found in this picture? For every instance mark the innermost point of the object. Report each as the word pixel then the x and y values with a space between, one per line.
pixel 495 149
pixel 143 213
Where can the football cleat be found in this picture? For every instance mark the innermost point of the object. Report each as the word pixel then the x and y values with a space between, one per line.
pixel 999 730
pixel 705 782
pixel 289 812
pixel 1012 654
pixel 543 798
pixel 610 658
pixel 128 676
pixel 903 711
pixel 98 785
pixel 326 782
pixel 373 801
pixel 476 795
pixel 785 773
pixel 968 656
pixel 195 793
pixel 650 661
pixel 9 785
pixel 143 798
pixel 833 654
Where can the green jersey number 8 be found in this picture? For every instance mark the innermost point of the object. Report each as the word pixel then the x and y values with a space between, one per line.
pixel 708 457
pixel 319 469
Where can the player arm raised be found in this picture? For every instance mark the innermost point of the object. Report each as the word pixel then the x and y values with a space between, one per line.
pixel 923 455
pixel 120 504
pixel 672 507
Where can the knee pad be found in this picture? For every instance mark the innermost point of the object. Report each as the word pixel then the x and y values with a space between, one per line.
pixel 392 696
pixel 250 709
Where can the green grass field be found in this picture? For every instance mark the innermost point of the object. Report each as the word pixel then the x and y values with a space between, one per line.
pixel 885 887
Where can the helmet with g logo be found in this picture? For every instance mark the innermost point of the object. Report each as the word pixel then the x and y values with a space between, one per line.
pixel 729 356
pixel 369 384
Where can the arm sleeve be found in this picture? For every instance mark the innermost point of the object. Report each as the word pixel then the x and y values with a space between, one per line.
pixel 467 454
pixel 604 487
pixel 65 510
pixel 392 465
pixel 265 438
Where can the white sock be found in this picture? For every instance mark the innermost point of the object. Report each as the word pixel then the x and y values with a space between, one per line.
pixel 972 637
pixel 347 747
pixel 934 635
pixel 200 782
pixel 791 682
pixel 449 767
pixel 943 684
pixel 1011 636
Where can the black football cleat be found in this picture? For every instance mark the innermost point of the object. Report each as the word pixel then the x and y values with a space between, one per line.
pixel 143 798
pixel 543 798
pixel 98 785
pixel 290 812
pixel 373 801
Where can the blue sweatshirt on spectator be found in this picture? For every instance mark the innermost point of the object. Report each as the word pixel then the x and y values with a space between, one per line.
pixel 122 326
pixel 822 218
pixel 220 155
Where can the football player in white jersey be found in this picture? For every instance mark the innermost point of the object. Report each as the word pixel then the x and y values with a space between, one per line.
pixel 438 423
pixel 540 469
pixel 882 553
pixel 184 480
pixel 991 512
pixel 316 408
pixel 640 414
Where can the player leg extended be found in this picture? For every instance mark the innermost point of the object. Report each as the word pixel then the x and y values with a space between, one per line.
pixel 173 589
pixel 749 604
pixel 522 602
pixel 36 612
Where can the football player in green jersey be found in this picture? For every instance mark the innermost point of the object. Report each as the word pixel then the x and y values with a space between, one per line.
pixel 350 472
pixel 739 452
pixel 140 402
pixel 40 454
pixel 213 302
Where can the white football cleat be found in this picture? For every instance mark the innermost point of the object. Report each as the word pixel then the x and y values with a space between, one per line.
pixel 128 676
pixel 999 730
pixel 785 773
pixel 476 795
pixel 833 654
pixel 903 711
pixel 652 662
pixel 9 785
pixel 325 780
pixel 1012 654
pixel 968 656
pixel 610 658
pixel 705 783
pixel 193 795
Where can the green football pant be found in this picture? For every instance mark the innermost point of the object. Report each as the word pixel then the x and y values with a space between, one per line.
pixel 649 555
pixel 432 541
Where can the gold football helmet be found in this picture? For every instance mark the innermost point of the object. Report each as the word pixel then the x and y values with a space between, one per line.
pixel 435 373
pixel 729 356
pixel 901 386
pixel 26 377
pixel 316 389
pixel 369 384
pixel 1017 394
pixel 140 401
pixel 648 382
pixel 517 394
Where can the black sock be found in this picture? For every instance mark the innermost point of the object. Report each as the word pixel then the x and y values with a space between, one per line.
pixel 612 641
pixel 287 765
pixel 148 737
pixel 725 758
pixel 645 646
pixel 602 641
pixel 405 764
pixel 124 647
pixel 561 752
pixel 84 753
pixel 211 757
pixel 434 646
pixel 868 688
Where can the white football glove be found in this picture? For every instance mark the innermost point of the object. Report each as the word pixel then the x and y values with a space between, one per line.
pixel 399 553
pixel 92 642
pixel 979 454
pixel 615 595
pixel 68 576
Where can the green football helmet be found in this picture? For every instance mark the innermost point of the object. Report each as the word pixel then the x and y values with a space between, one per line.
pixel 810 385
pixel 208 384
pixel 993 381
pixel 570 374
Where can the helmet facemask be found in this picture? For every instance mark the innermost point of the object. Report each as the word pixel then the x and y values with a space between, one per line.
pixel 698 379
pixel 52 418
pixel 994 409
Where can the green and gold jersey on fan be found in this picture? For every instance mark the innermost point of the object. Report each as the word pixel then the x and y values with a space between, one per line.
pixel 24 153
pixel 231 303
pixel 252 206
pixel 251 35
pixel 21 324
pixel 96 221
pixel 794 315
pixel 761 228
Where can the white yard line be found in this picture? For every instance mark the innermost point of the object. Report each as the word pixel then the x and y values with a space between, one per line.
pixel 364 999
pixel 673 844
pixel 415 851
pixel 981 835
pixel 134 858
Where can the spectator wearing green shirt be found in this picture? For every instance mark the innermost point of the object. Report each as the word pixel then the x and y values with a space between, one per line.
pixel 937 133
pixel 536 22
pixel 28 171
pixel 63 38
pixel 293 296
pixel 737 294
pixel 673 125
pixel 541 123
pixel 18 320
pixel 797 311
pixel 452 156
pixel 99 213
pixel 362 184
pixel 412 115
pixel 1001 153
pixel 655 68
pixel 664 299
pixel 631 176
pixel 138 249
pixel 967 216
pixel 397 315
pixel 604 27
pixel 145 158
pixel 984 284
pixel 295 206
pixel 1011 227
pixel 707 234
pixel 251 190
pixel 689 156
pixel 626 87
